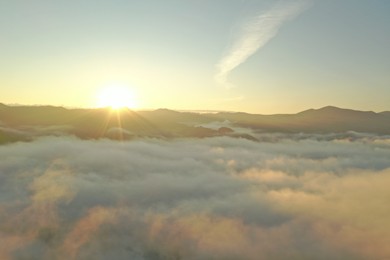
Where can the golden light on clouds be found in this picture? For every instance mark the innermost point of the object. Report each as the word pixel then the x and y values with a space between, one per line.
pixel 116 97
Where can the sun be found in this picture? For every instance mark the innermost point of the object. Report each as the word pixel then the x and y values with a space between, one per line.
pixel 116 97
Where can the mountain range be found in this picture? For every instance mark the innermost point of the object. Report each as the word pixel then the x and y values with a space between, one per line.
pixel 22 123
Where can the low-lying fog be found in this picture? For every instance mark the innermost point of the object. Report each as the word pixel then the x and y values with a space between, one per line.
pixel 284 197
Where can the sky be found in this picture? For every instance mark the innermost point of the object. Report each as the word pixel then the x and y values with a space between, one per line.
pixel 252 56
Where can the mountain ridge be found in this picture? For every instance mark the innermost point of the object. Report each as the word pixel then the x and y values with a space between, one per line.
pixel 98 123
pixel 324 108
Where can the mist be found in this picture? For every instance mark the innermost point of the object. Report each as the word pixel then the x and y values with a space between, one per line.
pixel 214 198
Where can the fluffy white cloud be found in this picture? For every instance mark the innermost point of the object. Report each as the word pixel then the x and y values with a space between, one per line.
pixel 292 196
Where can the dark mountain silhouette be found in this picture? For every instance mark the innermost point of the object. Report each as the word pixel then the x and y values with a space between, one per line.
pixel 385 113
pixel 26 122
pixel 324 120
pixel 333 119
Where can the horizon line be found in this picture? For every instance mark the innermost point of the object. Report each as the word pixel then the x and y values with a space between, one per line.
pixel 198 111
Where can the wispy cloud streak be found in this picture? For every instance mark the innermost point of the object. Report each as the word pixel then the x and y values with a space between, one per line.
pixel 256 33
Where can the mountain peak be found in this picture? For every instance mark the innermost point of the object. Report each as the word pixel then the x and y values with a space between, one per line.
pixel 332 110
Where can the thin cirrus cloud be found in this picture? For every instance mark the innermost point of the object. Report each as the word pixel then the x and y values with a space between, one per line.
pixel 255 34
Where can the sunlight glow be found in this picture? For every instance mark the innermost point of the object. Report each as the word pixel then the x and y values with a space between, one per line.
pixel 116 97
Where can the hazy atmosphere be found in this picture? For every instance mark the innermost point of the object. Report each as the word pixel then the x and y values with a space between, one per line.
pixel 194 129
pixel 257 56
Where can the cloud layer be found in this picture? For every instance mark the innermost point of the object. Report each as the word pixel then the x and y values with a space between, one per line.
pixel 219 198
pixel 256 33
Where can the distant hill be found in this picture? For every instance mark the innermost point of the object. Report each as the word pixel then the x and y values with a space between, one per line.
pixel 324 120
pixel 27 122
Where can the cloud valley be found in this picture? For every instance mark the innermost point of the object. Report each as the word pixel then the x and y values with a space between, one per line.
pixel 214 198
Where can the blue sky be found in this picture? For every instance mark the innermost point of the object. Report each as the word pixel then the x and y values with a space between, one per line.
pixel 304 54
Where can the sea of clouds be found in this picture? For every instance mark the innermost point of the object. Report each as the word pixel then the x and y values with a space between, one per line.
pixel 284 197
